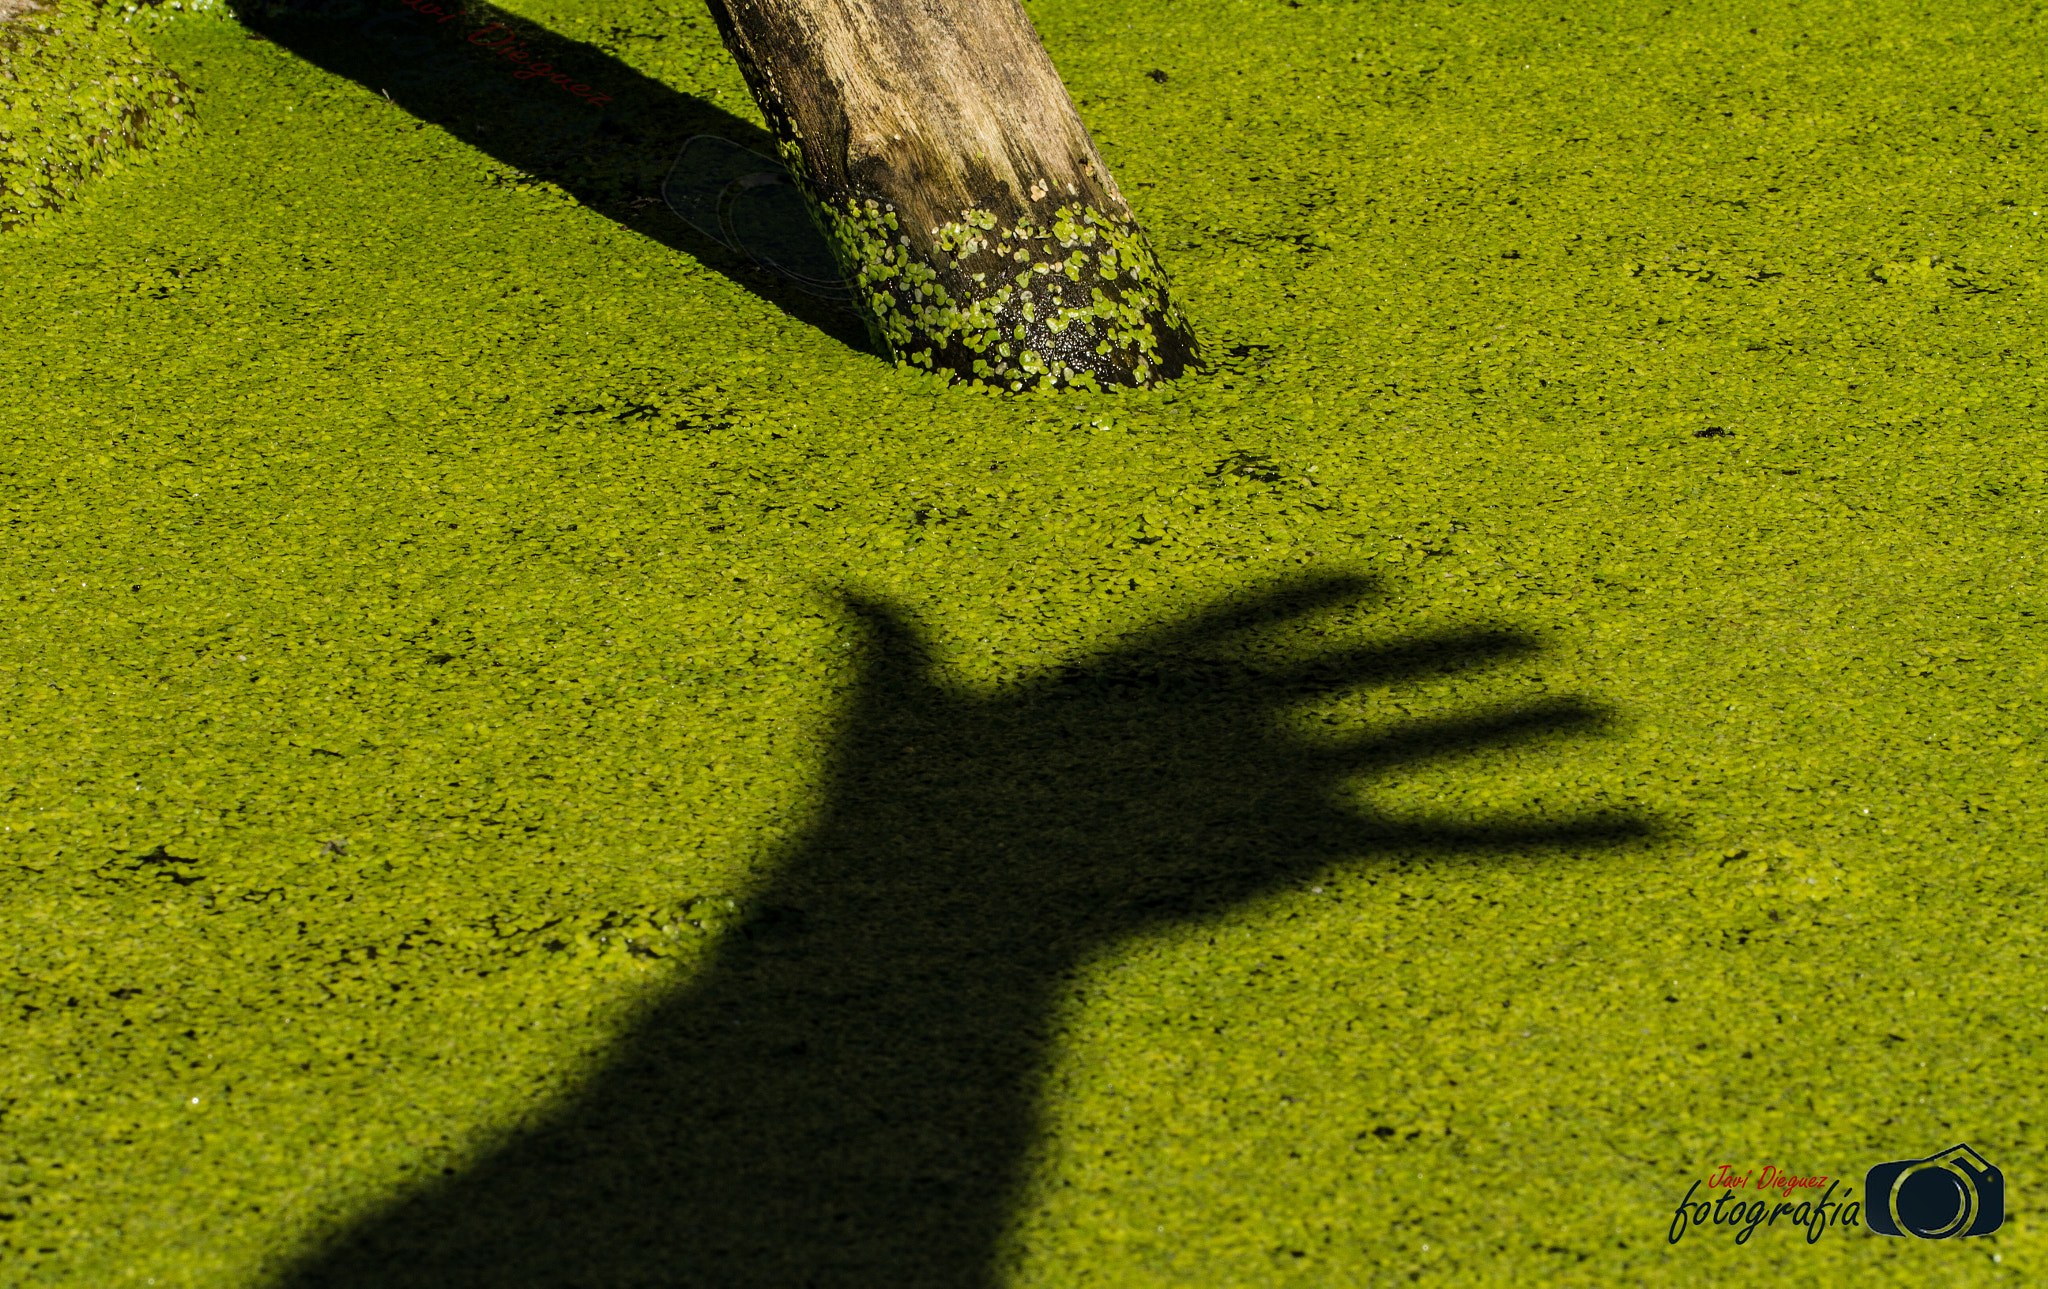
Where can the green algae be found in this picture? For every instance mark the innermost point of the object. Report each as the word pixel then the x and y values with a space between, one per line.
pixel 419 653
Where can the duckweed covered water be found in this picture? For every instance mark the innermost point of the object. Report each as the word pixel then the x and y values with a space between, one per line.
pixel 432 687
pixel 78 96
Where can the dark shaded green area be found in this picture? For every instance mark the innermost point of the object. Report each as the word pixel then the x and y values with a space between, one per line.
pixel 430 696
pixel 610 147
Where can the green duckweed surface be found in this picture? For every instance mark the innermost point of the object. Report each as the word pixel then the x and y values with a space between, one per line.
pixel 423 639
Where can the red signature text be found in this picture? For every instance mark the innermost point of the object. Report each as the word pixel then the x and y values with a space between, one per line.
pixel 1770 1179
pixel 513 49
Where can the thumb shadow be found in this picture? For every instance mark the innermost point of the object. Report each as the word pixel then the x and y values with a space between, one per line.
pixel 847 1093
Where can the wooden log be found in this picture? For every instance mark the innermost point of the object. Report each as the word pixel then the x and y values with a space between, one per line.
pixel 948 165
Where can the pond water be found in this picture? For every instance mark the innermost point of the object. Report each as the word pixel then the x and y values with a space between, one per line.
pixel 536 756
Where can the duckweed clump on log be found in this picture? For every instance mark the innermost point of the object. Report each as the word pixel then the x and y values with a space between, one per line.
pixel 1077 302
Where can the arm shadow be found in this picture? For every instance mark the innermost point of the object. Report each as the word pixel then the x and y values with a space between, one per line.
pixel 847 1093
pixel 611 155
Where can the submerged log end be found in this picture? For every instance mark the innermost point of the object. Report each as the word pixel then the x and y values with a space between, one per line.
pixel 1019 298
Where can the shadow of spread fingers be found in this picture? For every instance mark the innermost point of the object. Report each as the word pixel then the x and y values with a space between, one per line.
pixel 1409 660
pixel 1252 610
pixel 1422 740
pixel 1446 837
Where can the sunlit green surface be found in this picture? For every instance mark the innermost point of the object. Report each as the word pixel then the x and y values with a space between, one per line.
pixel 441 570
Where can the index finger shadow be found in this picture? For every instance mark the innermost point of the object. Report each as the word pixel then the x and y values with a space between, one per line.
pixel 1245 612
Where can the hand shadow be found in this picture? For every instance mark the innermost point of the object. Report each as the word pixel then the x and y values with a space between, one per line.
pixel 611 155
pixel 847 1092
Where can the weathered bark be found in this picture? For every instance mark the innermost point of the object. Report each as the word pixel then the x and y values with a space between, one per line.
pixel 950 169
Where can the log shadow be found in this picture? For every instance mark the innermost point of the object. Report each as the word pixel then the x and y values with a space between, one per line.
pixel 610 148
pixel 847 1094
